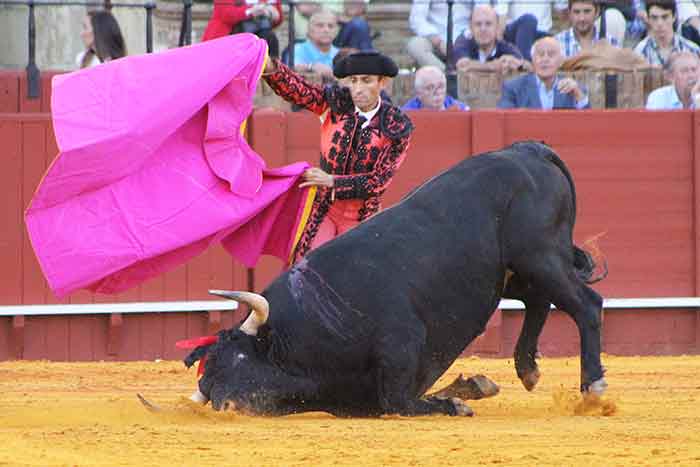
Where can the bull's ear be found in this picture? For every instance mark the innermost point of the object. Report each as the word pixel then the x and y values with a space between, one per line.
pixel 195 355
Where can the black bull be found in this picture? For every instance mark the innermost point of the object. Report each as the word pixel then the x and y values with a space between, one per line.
pixel 369 321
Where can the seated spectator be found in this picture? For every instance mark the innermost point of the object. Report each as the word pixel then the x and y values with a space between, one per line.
pixel 316 53
pixel 613 19
pixel 662 40
pixel 428 21
pixel 102 38
pixel 522 22
pixel 688 23
pixel 258 17
pixel 683 69
pixel 583 32
pixel 431 92
pixel 544 88
pixel 353 30
pixel 483 51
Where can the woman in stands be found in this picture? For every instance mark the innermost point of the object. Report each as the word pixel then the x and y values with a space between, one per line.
pixel 102 38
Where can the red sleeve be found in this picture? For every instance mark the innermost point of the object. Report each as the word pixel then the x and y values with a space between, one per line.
pixel 224 17
pixel 293 88
pixel 278 7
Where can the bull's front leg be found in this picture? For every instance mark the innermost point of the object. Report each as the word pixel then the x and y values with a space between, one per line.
pixel 536 312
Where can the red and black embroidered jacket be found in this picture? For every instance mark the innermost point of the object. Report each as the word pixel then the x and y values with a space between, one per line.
pixel 362 160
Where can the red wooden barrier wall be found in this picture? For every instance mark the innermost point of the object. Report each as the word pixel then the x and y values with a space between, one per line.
pixel 635 174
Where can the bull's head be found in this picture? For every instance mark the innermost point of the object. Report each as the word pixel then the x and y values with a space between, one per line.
pixel 257 318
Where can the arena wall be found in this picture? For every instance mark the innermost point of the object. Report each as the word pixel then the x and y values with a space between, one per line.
pixel 635 172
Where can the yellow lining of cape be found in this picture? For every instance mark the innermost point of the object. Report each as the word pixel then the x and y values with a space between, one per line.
pixel 310 196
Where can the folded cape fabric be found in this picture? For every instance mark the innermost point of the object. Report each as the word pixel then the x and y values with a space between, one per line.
pixel 153 168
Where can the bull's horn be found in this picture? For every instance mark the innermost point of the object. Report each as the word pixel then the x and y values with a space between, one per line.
pixel 261 309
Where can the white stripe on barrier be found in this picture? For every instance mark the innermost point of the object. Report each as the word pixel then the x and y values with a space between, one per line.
pixel 106 308
pixel 626 303
pixel 221 305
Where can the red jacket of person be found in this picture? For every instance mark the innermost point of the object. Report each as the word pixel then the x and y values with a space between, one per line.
pixel 229 13
pixel 363 161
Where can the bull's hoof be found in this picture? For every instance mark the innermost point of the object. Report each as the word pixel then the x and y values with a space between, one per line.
pixel 596 388
pixel 530 379
pixel 473 388
pixel 461 409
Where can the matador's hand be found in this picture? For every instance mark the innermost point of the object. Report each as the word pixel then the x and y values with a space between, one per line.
pixel 317 177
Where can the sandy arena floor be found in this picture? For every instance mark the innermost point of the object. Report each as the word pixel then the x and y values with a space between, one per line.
pixel 87 414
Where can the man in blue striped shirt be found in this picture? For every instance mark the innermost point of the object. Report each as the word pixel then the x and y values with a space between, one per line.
pixel 662 40
pixel 584 32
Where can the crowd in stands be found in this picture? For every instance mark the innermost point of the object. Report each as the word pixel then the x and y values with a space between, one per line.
pixel 503 36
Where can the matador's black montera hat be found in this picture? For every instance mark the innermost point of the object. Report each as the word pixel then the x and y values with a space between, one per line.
pixel 365 63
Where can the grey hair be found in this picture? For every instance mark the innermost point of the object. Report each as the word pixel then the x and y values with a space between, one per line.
pixel 538 41
pixel 675 56
pixel 419 81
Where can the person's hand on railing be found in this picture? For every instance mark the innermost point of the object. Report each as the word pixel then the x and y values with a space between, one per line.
pixel 509 64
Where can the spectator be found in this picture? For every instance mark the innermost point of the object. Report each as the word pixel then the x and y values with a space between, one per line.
pixel 483 51
pixel 102 38
pixel 662 39
pixel 353 31
pixel 431 92
pixel 543 89
pixel 583 32
pixel 317 51
pixel 615 14
pixel 688 23
pixel 258 17
pixel 522 22
pixel 428 21
pixel 683 69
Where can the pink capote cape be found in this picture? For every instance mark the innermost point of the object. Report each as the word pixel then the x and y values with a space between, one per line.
pixel 153 168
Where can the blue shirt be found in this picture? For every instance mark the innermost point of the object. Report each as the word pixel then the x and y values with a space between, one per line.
pixel 416 104
pixel 664 98
pixel 306 53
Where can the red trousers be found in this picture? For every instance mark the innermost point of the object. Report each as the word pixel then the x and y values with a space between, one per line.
pixel 341 217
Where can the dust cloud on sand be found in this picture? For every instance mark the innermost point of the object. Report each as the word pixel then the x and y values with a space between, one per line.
pixel 88 414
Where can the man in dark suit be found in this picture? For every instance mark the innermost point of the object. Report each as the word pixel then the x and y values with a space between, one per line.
pixel 544 88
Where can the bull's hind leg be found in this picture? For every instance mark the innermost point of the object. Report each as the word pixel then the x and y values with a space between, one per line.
pixel 553 273
pixel 397 362
pixel 536 312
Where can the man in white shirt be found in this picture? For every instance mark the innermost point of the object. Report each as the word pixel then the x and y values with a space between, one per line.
pixel 525 21
pixel 683 69
pixel 428 21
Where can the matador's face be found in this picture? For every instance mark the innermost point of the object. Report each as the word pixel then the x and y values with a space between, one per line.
pixel 365 90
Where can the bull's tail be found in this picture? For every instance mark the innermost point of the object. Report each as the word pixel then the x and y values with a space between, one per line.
pixel 585 266
pixel 584 262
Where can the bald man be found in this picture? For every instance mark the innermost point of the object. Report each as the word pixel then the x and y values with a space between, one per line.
pixel 481 50
pixel 431 92
pixel 544 88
